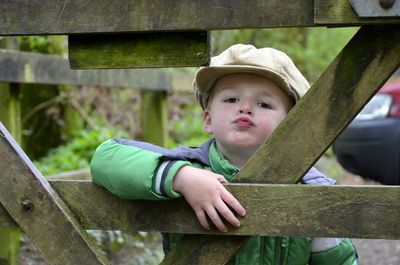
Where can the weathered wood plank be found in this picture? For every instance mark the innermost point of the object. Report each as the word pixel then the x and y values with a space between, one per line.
pixel 39 211
pixel 36 17
pixel 34 68
pixel 337 12
pixel 59 17
pixel 138 50
pixel 366 62
pixel 204 251
pixel 5 218
pixel 289 210
pixel 80 174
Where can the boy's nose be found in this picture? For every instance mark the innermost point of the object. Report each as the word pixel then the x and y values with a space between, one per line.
pixel 246 108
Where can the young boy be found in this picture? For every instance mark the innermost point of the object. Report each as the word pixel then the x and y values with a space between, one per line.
pixel 245 93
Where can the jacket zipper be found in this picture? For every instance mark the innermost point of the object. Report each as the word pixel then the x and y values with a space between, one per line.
pixel 283 246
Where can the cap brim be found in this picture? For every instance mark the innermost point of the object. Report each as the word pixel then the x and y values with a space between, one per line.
pixel 207 76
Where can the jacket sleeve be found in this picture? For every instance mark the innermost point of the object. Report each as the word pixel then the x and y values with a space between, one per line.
pixel 134 172
pixel 343 253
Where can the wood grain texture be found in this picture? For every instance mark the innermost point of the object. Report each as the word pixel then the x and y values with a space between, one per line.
pixel 339 12
pixel 45 219
pixel 34 68
pixel 82 16
pixel 5 218
pixel 355 75
pixel 79 174
pixel 139 50
pixel 272 209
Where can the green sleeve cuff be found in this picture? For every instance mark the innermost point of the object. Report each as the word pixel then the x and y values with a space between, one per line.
pixel 343 254
pixel 169 180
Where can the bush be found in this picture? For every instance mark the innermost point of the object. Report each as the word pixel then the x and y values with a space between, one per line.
pixel 75 154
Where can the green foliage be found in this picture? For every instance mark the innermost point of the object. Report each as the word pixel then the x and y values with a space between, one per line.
pixel 43 44
pixel 75 154
pixel 312 49
pixel 188 129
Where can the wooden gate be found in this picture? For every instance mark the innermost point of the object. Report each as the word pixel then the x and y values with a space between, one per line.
pixel 58 212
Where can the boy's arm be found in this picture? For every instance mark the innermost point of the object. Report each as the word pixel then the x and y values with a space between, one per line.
pixel 136 170
pixel 333 251
pixel 130 171
pixel 204 192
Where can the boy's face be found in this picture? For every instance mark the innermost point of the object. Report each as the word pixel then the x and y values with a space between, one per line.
pixel 244 110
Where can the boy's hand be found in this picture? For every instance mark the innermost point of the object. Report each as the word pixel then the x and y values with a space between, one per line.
pixel 204 192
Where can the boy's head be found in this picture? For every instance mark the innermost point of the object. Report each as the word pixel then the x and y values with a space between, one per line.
pixel 268 62
pixel 245 93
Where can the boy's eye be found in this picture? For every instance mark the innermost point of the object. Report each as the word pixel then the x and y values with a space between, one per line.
pixel 264 105
pixel 231 100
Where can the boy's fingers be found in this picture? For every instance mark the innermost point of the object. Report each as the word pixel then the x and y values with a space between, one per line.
pixel 201 216
pixel 227 213
pixel 212 213
pixel 232 202
pixel 221 179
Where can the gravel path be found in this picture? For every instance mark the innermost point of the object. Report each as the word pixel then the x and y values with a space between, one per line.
pixel 378 252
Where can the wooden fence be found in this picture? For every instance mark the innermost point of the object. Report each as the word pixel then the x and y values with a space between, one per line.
pixel 32 68
pixel 59 211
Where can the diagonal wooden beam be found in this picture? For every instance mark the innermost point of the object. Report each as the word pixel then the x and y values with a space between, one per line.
pixel 5 218
pixel 355 75
pixel 39 211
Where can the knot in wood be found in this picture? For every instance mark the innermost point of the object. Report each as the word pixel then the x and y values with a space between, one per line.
pixel 27 204
pixel 386 3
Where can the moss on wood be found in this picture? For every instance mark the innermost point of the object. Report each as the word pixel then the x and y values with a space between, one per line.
pixel 138 50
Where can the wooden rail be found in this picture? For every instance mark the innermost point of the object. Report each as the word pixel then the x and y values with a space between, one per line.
pixel 272 210
pixel 35 68
pixel 36 17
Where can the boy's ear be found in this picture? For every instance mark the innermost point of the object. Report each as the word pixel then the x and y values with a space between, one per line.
pixel 207 121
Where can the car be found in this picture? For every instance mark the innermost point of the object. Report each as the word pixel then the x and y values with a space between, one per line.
pixel 370 145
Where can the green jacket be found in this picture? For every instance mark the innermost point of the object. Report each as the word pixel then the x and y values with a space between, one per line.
pixel 137 170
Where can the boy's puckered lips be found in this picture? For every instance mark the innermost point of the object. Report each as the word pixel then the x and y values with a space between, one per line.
pixel 243 122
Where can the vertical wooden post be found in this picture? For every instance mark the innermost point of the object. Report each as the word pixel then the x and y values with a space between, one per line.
pixel 10 115
pixel 10 97
pixel 11 109
pixel 154 117
pixel 73 121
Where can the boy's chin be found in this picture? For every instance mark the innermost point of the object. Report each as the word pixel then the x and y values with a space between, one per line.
pixel 243 149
